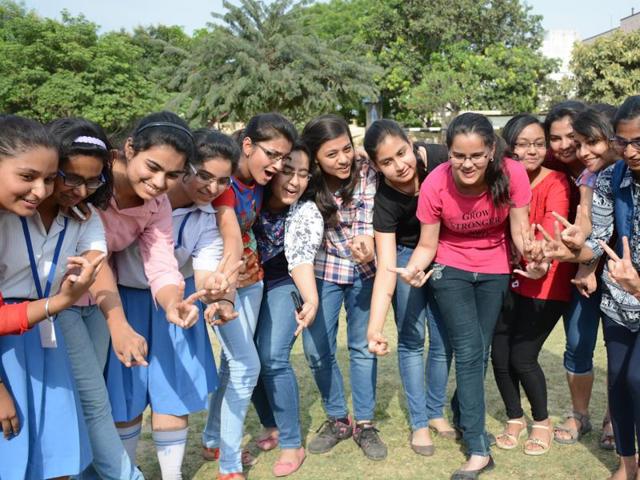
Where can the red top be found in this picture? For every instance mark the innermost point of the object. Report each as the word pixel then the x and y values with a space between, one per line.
pixel 13 318
pixel 552 194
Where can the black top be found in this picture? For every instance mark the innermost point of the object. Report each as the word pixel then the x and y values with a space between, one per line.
pixel 394 211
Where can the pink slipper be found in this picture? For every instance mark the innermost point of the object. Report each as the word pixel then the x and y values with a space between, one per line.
pixel 282 469
pixel 268 443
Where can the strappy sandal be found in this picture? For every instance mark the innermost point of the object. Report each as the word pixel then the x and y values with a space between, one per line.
pixel 530 442
pixel 607 440
pixel 513 440
pixel 575 435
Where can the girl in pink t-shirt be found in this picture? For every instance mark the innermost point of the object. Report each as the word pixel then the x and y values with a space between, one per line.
pixel 467 207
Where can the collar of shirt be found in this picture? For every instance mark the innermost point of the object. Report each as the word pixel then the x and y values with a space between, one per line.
pixel 208 208
pixel 627 180
pixel 148 207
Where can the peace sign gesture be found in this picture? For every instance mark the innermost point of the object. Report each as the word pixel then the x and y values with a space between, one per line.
pixel 217 283
pixel 185 313
pixel 621 270
pixel 572 236
pixel 553 247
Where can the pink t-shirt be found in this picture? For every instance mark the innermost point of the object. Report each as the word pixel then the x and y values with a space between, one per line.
pixel 473 232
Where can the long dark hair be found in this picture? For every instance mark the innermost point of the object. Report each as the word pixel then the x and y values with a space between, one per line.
pixel 495 176
pixel 568 108
pixel 381 129
pixel 593 125
pixel 267 126
pixel 629 110
pixel 19 135
pixel 315 133
pixel 163 128
pixel 514 128
pixel 78 136
pixel 309 193
pixel 210 143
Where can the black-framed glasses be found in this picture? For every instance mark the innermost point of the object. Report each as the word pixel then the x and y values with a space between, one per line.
pixel 72 180
pixel 476 158
pixel 273 156
pixel 621 144
pixel 289 172
pixel 206 178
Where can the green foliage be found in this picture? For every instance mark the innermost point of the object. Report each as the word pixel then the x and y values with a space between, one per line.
pixel 262 58
pixel 609 69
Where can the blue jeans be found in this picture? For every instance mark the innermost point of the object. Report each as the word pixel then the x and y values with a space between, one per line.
pixel 276 396
pixel 320 348
pixel 581 329
pixel 238 374
pixel 87 338
pixel 470 304
pixel 425 388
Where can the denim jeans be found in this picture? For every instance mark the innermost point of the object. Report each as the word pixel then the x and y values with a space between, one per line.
pixel 87 338
pixel 276 396
pixel 470 304
pixel 581 329
pixel 425 388
pixel 320 349
pixel 238 374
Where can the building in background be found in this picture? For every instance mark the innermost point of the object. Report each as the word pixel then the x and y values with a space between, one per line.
pixel 627 25
pixel 558 44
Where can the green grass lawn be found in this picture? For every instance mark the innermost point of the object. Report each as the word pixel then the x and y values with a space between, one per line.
pixel 582 461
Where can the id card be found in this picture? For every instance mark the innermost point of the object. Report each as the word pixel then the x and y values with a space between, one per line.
pixel 47 334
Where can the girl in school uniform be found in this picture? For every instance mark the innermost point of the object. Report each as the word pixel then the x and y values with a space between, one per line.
pixel 181 372
pixel 264 143
pixel 53 440
pixel 344 190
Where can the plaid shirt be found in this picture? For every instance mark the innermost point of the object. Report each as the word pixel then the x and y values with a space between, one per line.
pixel 333 261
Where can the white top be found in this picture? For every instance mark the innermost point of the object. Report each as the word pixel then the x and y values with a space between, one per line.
pixel 15 271
pixel 198 248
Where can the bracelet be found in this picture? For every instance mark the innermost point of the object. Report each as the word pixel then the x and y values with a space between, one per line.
pixel 227 300
pixel 46 310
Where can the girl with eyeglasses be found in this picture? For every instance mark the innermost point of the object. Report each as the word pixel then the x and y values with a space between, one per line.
pixel 181 372
pixel 36 247
pixel 288 232
pixel 404 166
pixel 264 144
pixel 344 269
pixel 466 207
pixel 535 303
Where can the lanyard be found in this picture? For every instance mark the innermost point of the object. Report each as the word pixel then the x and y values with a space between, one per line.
pixel 181 229
pixel 32 258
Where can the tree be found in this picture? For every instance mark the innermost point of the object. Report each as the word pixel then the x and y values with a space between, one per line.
pixel 261 57
pixel 51 69
pixel 608 70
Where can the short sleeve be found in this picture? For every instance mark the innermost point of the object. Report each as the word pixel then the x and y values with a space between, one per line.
pixel 92 236
pixel 385 218
pixel 304 229
pixel 519 186
pixel 227 199
pixel 430 200
pixel 208 249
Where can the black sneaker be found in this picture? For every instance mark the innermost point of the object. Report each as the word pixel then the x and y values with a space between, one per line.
pixel 330 433
pixel 367 438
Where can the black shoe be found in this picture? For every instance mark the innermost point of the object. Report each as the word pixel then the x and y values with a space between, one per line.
pixel 367 438
pixel 473 474
pixel 330 433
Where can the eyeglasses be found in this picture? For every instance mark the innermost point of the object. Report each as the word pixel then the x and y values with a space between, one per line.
pixel 71 180
pixel 206 179
pixel 274 157
pixel 476 158
pixel 538 145
pixel 290 173
pixel 621 144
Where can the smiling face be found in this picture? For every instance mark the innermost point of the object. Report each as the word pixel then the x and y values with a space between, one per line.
pixel 396 160
pixel 530 147
pixel 469 157
pixel 595 154
pixel 562 140
pixel 630 130
pixel 27 179
pixel 263 159
pixel 208 181
pixel 150 172
pixel 77 168
pixel 335 157
pixel 288 185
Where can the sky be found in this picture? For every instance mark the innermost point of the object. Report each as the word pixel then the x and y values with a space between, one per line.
pixel 587 17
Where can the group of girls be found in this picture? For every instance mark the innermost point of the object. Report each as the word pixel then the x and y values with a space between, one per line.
pixel 114 261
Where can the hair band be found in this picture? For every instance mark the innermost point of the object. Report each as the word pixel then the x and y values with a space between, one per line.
pixel 92 141
pixel 165 124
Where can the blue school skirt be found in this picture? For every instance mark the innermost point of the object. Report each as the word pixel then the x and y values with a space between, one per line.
pixel 181 372
pixel 53 440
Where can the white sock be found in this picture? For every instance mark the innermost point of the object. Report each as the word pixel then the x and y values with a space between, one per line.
pixel 130 437
pixel 170 447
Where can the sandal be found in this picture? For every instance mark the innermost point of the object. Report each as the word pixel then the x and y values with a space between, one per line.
pixel 514 440
pixel 607 440
pixel 575 435
pixel 268 442
pixel 530 442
